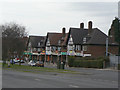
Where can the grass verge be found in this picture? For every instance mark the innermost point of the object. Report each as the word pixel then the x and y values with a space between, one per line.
pixel 37 69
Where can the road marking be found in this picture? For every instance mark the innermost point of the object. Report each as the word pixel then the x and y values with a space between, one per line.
pixel 74 86
pixel 38 79
pixel 113 81
pixel 106 80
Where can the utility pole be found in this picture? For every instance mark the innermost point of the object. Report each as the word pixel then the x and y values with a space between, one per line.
pixel 106 46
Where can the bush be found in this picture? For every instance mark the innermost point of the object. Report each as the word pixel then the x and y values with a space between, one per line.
pixel 70 61
pixel 106 59
pixel 118 66
pixel 87 63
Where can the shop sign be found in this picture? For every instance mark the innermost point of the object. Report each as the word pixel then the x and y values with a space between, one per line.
pixel 48 53
pixel 71 53
pixel 63 53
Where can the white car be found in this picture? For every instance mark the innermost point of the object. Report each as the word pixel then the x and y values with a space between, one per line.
pixel 32 63
pixel 22 61
pixel 16 60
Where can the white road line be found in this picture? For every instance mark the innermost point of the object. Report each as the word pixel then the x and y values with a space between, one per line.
pixel 114 81
pixel 106 80
pixel 74 86
pixel 38 79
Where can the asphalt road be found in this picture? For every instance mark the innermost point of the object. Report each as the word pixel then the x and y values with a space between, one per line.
pixel 89 78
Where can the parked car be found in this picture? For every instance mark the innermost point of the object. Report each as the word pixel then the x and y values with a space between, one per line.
pixel 40 63
pixel 32 63
pixel 22 61
pixel 16 60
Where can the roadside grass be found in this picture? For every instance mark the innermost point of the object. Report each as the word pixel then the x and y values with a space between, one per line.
pixel 38 69
pixel 0 65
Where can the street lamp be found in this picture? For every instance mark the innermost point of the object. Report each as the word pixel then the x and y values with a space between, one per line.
pixel 106 46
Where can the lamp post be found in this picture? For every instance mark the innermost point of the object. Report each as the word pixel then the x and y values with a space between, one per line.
pixel 106 46
pixel 58 62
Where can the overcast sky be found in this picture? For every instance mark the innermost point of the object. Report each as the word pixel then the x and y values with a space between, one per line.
pixel 41 17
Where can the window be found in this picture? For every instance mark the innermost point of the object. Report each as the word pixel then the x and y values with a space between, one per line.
pixel 34 49
pixel 53 48
pixel 70 40
pixel 48 42
pixel 84 48
pixel 39 44
pixel 29 50
pixel 38 49
pixel 59 48
pixel 59 42
pixel 47 48
pixel 84 40
pixel 73 48
pixel 29 44
pixel 77 47
pixel 70 47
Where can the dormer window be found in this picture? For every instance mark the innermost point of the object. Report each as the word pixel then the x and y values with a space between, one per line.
pixel 59 42
pixel 62 38
pixel 29 44
pixel 48 42
pixel 39 44
pixel 70 40
pixel 84 40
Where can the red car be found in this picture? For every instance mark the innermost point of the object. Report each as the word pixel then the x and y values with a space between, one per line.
pixel 40 63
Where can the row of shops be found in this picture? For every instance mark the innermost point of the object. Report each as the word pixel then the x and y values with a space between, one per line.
pixel 51 57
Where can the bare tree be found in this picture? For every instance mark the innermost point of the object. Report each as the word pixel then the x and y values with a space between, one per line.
pixel 13 40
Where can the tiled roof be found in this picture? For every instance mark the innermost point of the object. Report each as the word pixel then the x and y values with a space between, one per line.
pixel 55 37
pixel 95 37
pixel 78 35
pixel 36 39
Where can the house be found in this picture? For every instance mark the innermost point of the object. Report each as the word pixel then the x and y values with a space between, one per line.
pixel 86 42
pixel 55 44
pixel 36 46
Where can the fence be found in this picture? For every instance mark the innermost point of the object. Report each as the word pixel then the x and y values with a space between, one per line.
pixel 114 61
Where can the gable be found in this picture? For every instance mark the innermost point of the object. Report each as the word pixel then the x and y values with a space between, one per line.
pixel 70 41
pixel 78 34
pixel 48 42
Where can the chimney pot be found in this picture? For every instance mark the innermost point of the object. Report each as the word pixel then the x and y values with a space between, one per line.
pixel 89 27
pixel 63 30
pixel 82 25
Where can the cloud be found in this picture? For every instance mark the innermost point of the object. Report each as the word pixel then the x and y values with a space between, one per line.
pixel 19 1
pixel 42 17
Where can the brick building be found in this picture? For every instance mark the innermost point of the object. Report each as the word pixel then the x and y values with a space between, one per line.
pixel 87 42
pixel 36 47
pixel 55 45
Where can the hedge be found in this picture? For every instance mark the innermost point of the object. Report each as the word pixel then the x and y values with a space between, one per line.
pixel 86 62
pixel 118 66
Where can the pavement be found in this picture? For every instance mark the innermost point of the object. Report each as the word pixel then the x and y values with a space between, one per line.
pixel 89 78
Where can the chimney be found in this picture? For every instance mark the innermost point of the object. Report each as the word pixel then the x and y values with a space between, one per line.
pixel 82 25
pixel 63 30
pixel 89 27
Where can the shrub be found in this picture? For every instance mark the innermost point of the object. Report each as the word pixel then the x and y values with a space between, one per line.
pixel 88 63
pixel 70 61
pixel 118 66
